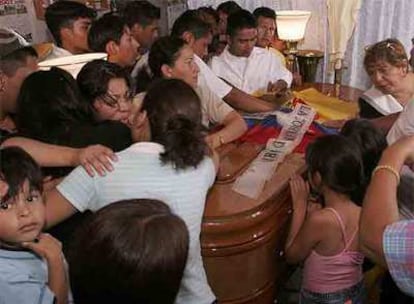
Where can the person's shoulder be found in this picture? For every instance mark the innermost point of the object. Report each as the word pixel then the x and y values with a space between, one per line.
pixel 216 60
pixel 258 51
pixel 322 218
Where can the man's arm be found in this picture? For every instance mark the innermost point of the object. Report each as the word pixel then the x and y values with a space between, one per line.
pixel 234 127
pixel 96 157
pixel 247 103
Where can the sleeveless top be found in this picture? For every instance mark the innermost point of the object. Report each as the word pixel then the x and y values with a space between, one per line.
pixel 326 274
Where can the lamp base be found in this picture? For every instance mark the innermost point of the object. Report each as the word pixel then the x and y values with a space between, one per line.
pixel 308 63
pixel 291 59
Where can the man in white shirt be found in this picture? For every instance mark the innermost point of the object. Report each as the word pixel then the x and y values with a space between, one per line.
pixel 251 69
pixel 69 22
pixel 266 30
pixel 197 34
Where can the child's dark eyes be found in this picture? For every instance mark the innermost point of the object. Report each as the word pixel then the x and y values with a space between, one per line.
pixel 4 206
pixel 32 198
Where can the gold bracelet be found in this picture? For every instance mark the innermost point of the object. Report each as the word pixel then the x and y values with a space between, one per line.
pixel 389 169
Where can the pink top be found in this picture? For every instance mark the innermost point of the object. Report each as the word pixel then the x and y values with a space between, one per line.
pixel 325 274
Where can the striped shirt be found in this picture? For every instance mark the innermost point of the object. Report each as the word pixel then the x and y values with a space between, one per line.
pixel 139 173
pixel 398 244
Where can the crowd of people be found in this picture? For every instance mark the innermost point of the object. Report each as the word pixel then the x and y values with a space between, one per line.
pixel 104 177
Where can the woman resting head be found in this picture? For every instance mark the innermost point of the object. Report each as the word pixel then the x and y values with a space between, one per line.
pixel 131 251
pixel 107 89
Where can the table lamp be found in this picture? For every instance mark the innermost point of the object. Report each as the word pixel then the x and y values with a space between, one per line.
pixel 291 27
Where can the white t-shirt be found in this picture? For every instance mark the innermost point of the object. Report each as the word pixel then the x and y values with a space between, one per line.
pixel 206 76
pixel 404 125
pixel 214 109
pixel 139 173
pixel 251 74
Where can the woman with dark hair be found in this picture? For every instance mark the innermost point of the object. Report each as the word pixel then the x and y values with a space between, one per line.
pixel 370 140
pixel 106 87
pixel 175 167
pixel 50 109
pixel 145 248
pixel 172 58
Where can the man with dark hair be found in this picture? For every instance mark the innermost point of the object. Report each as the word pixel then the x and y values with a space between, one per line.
pixel 111 35
pixel 266 31
pixel 254 70
pixel 14 68
pixel 224 10
pixel 142 17
pixel 198 35
pixel 69 22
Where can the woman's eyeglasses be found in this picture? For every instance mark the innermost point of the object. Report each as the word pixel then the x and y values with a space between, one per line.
pixel 115 101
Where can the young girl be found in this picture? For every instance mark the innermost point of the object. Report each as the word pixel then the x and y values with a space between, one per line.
pixel 172 58
pixel 32 266
pixel 175 167
pixel 327 239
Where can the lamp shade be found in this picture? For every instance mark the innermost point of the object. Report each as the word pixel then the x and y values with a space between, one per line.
pixel 291 25
pixel 72 64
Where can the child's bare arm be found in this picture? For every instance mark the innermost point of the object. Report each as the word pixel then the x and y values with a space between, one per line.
pixel 50 249
pixel 304 232
pixel 299 191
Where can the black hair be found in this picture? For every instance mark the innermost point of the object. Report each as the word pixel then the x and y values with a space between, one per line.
pixel 62 14
pixel 17 166
pixel 109 27
pixel 228 7
pixel 49 103
pixel 264 12
pixel 190 21
pixel 339 163
pixel 131 251
pixel 141 12
pixel 165 50
pixel 208 10
pixel 239 20
pixel 174 114
pixel 16 59
pixel 369 139
pixel 94 77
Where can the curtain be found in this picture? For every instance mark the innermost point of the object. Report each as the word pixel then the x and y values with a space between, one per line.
pixel 246 4
pixel 377 20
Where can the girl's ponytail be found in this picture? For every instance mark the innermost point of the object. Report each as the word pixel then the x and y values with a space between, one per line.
pixel 183 143
pixel 174 114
